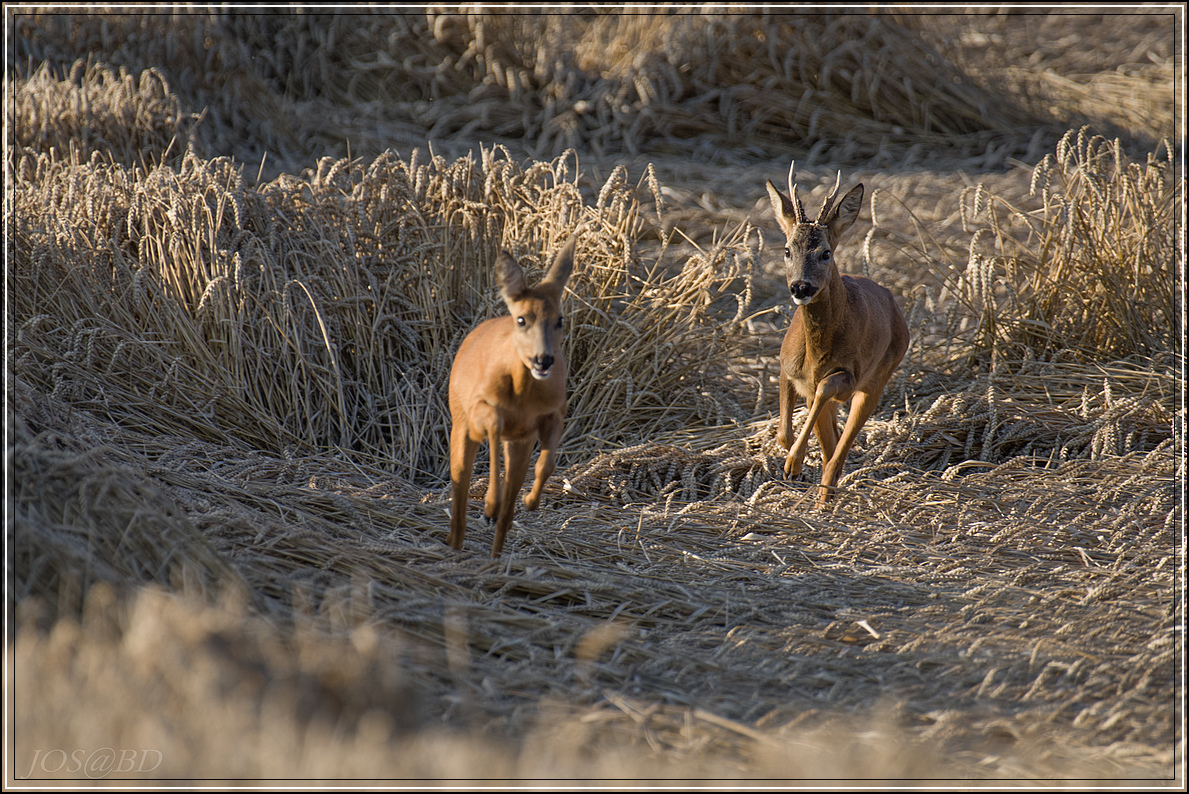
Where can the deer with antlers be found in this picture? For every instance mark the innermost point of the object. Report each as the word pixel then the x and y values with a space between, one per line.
pixel 846 337
pixel 508 387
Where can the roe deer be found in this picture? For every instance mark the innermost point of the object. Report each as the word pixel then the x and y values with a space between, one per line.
pixel 845 339
pixel 508 386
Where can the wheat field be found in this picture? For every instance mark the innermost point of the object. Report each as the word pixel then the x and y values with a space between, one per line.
pixel 242 246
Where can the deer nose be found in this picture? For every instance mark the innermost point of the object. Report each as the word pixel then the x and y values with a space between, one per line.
pixel 802 291
pixel 544 361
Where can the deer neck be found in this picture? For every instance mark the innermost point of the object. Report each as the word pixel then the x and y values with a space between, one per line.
pixel 823 317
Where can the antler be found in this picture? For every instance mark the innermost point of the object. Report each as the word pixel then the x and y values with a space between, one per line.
pixel 797 207
pixel 821 214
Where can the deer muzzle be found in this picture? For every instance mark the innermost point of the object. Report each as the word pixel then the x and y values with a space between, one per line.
pixel 802 292
pixel 541 366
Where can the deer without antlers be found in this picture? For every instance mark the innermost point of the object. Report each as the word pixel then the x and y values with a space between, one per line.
pixel 508 387
pixel 845 339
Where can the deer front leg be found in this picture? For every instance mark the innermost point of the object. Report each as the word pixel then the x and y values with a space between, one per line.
pixel 788 403
pixel 550 433
pixel 796 456
pixel 826 430
pixel 516 455
pixel 491 503
pixel 462 463
pixel 860 409
pixel 836 387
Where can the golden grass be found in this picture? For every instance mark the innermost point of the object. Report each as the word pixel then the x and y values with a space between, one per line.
pixel 216 694
pixel 324 314
pixel 610 83
pixel 1125 84
pixel 96 108
pixel 1066 289
pixel 1096 270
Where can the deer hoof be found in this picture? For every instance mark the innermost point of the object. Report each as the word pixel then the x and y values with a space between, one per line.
pixel 792 467
pixel 824 495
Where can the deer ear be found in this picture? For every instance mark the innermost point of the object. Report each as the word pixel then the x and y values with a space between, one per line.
pixel 846 211
pixel 563 264
pixel 782 206
pixel 508 277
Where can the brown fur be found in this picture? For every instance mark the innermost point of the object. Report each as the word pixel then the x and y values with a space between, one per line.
pixel 845 340
pixel 495 397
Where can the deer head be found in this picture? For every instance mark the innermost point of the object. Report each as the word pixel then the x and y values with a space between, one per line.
pixel 537 311
pixel 810 245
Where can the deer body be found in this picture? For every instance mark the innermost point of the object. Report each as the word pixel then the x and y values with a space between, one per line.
pixel 508 387
pixel 845 340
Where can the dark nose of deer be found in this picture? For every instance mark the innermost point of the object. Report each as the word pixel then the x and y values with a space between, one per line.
pixel 544 361
pixel 802 290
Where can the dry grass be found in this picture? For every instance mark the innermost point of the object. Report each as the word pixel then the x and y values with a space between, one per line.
pixel 735 625
pixel 324 701
pixel 1093 272
pixel 95 108
pixel 684 81
pixel 1124 85
pixel 227 424
pixel 322 314
pixel 1082 271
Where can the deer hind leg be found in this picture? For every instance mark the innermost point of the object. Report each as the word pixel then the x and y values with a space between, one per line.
pixel 838 386
pixel 462 463
pixel 860 409
pixel 516 455
pixel 550 433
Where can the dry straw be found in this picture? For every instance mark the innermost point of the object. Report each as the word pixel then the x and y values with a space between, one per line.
pixel 855 84
pixel 324 314
pixel 1126 84
pixel 1093 271
pixel 1065 289
pixel 96 108
pixel 218 694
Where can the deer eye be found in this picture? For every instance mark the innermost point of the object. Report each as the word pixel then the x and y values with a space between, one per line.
pixel 787 252
pixel 560 321
pixel 520 321
pixel 825 256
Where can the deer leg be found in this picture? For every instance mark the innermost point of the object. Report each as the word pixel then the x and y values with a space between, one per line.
pixel 788 403
pixel 491 503
pixel 826 428
pixel 516 454
pixel 462 463
pixel 860 408
pixel 796 455
pixel 550 433
pixel 838 386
